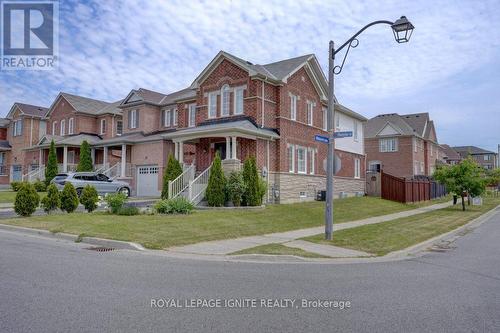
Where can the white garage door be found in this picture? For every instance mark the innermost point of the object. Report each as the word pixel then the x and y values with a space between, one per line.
pixel 147 181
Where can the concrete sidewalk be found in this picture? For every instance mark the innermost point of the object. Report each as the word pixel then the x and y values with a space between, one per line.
pixel 227 246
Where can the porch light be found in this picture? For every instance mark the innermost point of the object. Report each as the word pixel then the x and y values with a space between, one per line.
pixel 402 30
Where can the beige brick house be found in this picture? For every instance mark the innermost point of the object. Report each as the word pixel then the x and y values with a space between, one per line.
pixel 233 107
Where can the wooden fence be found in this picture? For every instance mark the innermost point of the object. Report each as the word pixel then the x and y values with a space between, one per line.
pixel 410 190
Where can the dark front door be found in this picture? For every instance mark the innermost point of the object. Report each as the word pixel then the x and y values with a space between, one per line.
pixel 221 148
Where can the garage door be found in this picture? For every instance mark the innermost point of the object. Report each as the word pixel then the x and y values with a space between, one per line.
pixel 147 181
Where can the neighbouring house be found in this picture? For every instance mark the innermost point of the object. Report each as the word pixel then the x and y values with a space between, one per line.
pixel 451 156
pixel 487 159
pixel 402 145
pixel 271 112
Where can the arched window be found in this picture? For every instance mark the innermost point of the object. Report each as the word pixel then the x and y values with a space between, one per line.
pixel 225 100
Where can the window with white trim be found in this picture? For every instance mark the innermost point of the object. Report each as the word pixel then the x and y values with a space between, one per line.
pixel 62 129
pixel 225 100
pixel 103 126
pixel 291 158
pixel 238 101
pixel 357 168
pixel 301 160
pixel 175 114
pixel 168 117
pixel 432 149
pixel 293 107
pixel 119 127
pixel 415 168
pixel 355 130
pixel 71 126
pixel 132 121
pixel 312 160
pixel 325 119
pixel 191 115
pixel 388 145
pixel 415 145
pixel 212 105
pixel 54 127
pixel 486 157
pixel 310 110
pixel 18 127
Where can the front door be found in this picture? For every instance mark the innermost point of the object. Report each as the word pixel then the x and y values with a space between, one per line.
pixel 221 148
pixel 17 172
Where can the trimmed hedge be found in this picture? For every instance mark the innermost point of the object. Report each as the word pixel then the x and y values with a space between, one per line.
pixel 69 198
pixel 89 198
pixel 53 199
pixel 179 205
pixel 27 200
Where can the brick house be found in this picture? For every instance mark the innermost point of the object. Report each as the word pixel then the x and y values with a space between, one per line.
pixel 451 156
pixel 233 107
pixel 402 145
pixel 487 159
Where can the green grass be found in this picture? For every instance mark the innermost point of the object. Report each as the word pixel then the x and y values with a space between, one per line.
pixel 279 249
pixel 9 196
pixel 157 231
pixel 385 237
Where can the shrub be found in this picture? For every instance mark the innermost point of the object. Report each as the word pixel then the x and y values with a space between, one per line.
pixel 53 199
pixel 69 198
pixel 215 193
pixel 85 163
pixel 40 186
pixel 262 189
pixel 251 177
pixel 89 198
pixel 179 205
pixel 172 171
pixel 128 211
pixel 115 201
pixel 51 169
pixel 27 200
pixel 236 188
pixel 15 185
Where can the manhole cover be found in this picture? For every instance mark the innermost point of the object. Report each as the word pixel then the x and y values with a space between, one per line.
pixel 100 249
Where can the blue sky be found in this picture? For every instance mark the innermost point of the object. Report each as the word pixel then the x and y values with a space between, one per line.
pixel 450 68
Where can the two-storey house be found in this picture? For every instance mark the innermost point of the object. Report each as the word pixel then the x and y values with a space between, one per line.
pixel 487 159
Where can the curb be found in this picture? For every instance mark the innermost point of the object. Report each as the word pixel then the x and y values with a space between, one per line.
pixel 121 245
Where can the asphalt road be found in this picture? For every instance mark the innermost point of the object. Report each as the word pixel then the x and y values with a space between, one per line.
pixel 56 286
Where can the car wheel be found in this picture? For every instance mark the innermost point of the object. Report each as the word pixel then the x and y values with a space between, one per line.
pixel 79 192
pixel 125 191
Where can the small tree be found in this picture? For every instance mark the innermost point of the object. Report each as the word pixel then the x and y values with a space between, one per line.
pixel 251 177
pixel 27 200
pixel 69 198
pixel 51 169
pixel 53 199
pixel 85 163
pixel 236 188
pixel 465 178
pixel 89 198
pixel 215 193
pixel 172 171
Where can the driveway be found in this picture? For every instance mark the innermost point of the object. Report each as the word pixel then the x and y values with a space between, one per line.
pixel 50 286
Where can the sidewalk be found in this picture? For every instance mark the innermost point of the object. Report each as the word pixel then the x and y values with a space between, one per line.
pixel 227 246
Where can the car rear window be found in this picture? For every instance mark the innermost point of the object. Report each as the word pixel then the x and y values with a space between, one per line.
pixel 61 177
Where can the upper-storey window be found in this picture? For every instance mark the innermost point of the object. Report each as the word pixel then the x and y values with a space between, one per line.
pixel 325 119
pixel 310 109
pixel 486 157
pixel 238 101
pixel 62 129
pixel 119 127
pixel 432 150
pixel 176 117
pixel 192 115
pixel 133 120
pixel 168 118
pixel 18 127
pixel 293 107
pixel 225 100
pixel 54 127
pixel 388 145
pixel 71 126
pixel 212 105
pixel 337 121
pixel 103 126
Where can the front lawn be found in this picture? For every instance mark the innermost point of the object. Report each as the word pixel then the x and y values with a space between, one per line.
pixel 10 196
pixel 279 249
pixel 157 231
pixel 385 237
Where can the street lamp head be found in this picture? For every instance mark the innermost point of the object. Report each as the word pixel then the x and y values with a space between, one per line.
pixel 402 29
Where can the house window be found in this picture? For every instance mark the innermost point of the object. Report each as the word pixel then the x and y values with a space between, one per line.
pixel 62 130
pixel 291 158
pixel 119 127
pixel 2 158
pixel 301 160
pixel 310 108
pixel 422 168
pixel 103 126
pixel 432 150
pixel 486 157
pixel 357 168
pixel 238 101
pixel 356 138
pixel 312 161
pixel 18 127
pixel 325 119
pixel 415 145
pixel 374 166
pixel 176 117
pixel 132 119
pixel 212 105
pixel 415 168
pixel 388 145
pixel 54 127
pixel 293 107
pixel 225 101
pixel 168 115
pixel 71 126
pixel 192 115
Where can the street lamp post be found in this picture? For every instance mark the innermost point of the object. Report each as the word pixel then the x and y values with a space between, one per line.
pixel 402 29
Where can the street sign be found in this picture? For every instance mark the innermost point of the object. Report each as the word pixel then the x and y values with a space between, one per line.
pixel 338 164
pixel 340 135
pixel 321 138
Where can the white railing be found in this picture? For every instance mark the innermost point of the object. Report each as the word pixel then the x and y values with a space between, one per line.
pixel 179 185
pixel 71 167
pixel 114 171
pixel 33 175
pixel 100 168
pixel 198 186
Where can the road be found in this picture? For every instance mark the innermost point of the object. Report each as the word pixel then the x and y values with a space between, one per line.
pixel 56 286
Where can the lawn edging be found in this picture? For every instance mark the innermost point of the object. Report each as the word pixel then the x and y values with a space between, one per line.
pixel 122 245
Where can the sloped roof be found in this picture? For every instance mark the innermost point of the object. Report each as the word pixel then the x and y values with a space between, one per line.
pixel 471 150
pixel 30 110
pixel 184 94
pixel 150 95
pixel 450 153
pixel 283 68
pixel 85 104
pixel 4 122
pixel 69 140
pixel 375 125
pixel 111 108
pixel 417 121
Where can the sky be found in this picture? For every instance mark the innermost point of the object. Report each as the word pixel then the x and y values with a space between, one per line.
pixel 450 68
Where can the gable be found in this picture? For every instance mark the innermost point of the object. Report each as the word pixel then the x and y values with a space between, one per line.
pixel 225 70
pixel 389 129
pixel 132 98
pixel 220 58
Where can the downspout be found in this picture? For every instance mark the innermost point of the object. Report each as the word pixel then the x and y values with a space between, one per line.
pixel 268 171
pixel 31 132
pixel 262 100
